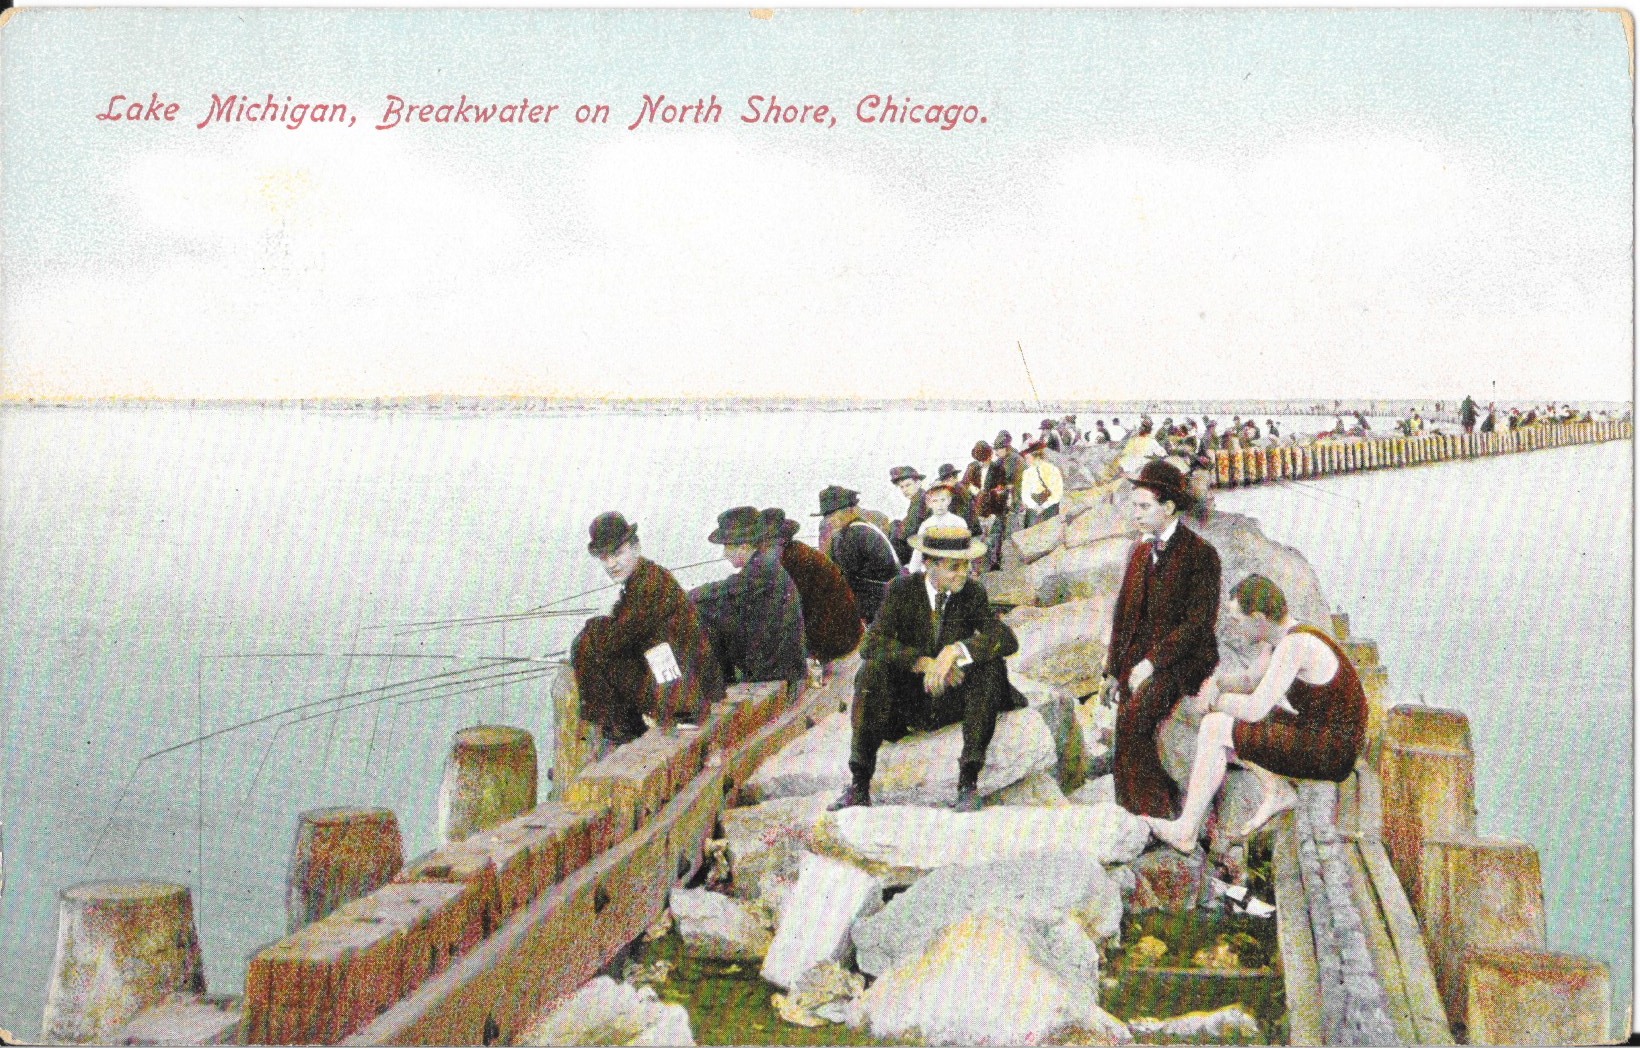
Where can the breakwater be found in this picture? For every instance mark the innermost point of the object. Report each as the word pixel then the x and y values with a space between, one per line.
pixel 443 961
pixel 1240 467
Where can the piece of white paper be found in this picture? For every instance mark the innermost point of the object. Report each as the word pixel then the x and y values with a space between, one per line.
pixel 663 663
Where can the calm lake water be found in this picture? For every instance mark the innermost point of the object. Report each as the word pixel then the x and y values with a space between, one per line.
pixel 146 555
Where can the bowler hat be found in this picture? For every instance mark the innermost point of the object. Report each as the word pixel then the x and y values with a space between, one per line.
pixel 1167 482
pixel 609 532
pixel 899 473
pixel 835 498
pixel 952 543
pixel 1004 439
pixel 741 526
pixel 947 471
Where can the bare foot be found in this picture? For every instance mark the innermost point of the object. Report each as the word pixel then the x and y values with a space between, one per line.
pixel 1279 796
pixel 1173 832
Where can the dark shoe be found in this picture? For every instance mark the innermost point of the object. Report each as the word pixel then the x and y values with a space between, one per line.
pixel 853 797
pixel 967 799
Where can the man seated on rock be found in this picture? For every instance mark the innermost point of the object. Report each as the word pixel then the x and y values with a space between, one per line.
pixel 753 618
pixel 831 620
pixel 859 546
pixel 650 656
pixel 1306 718
pixel 933 658
pixel 909 481
pixel 1162 641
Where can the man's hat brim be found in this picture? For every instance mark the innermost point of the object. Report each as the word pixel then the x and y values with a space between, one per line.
pixel 933 544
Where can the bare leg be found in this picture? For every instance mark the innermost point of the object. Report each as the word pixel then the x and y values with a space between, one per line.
pixel 1213 746
pixel 1278 796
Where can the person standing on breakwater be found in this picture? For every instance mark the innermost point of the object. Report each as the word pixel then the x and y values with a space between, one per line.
pixel 860 549
pixel 1467 413
pixel 909 481
pixel 1041 486
pixel 831 619
pixel 650 656
pixel 1162 643
pixel 753 618
pixel 1306 718
pixel 934 657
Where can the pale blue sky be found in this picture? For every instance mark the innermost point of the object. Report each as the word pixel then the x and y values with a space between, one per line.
pixel 1160 203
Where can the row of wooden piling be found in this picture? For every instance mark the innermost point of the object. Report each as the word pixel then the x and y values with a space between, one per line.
pixel 1478 899
pixel 366 929
pixel 1245 466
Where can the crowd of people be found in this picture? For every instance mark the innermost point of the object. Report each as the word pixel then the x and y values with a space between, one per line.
pixel 906 595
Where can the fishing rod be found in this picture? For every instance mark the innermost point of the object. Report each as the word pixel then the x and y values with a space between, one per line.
pixel 532 612
pixel 494 620
pixel 1322 490
pixel 1028 377
pixel 203 737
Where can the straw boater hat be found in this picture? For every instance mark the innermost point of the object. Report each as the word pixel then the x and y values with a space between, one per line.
pixel 950 543
pixel 609 532
pixel 741 526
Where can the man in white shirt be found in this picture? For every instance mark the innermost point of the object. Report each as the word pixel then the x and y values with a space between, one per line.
pixel 1041 485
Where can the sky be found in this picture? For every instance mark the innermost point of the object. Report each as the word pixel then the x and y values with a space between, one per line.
pixel 1158 204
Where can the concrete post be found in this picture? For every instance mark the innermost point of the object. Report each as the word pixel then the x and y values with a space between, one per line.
pixel 489 778
pixel 1427 769
pixel 1535 997
pixel 1477 893
pixel 341 854
pixel 122 946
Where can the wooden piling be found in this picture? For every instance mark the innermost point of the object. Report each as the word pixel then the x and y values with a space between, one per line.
pixel 1236 473
pixel 1221 468
pixel 122 946
pixel 341 854
pixel 574 736
pixel 1537 997
pixel 1428 772
pixel 1477 894
pixel 489 778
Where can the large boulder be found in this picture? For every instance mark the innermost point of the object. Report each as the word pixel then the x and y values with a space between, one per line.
pixel 920 769
pixel 1077 666
pixel 1093 570
pixel 1033 543
pixel 766 841
pixel 902 844
pixel 1095 791
pixel 1039 789
pixel 823 994
pixel 1104 518
pixel 716 926
pixel 1244 550
pixel 1058 711
pixel 1010 587
pixel 1042 888
pixel 823 905
pixel 1043 629
pixel 992 978
pixel 607 1012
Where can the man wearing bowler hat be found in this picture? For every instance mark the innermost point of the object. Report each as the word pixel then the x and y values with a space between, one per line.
pixel 650 655
pixel 1162 640
pixel 909 481
pixel 753 618
pixel 933 658
pixel 831 620
pixel 859 547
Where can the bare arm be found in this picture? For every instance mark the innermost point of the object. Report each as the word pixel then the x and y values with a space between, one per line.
pixel 1291 654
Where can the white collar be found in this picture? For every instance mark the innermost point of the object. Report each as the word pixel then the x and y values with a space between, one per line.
pixel 933 594
pixel 1166 533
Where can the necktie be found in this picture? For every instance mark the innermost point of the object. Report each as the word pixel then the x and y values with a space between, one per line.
pixel 939 615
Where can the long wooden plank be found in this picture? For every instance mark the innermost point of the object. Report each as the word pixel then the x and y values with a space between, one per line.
pixel 1300 979
pixel 1423 999
pixel 1385 961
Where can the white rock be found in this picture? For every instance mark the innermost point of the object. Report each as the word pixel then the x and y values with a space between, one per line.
pixel 920 769
pixel 1039 789
pixel 766 841
pixel 1096 791
pixel 1230 1025
pixel 1042 889
pixel 901 844
pixel 1244 549
pixel 1034 543
pixel 986 980
pixel 605 1012
pixel 1044 629
pixel 713 925
pixel 1093 571
pixel 814 924
pixel 1104 518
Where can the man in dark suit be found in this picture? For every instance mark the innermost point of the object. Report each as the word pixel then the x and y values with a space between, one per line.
pixel 650 656
pixel 831 620
pixel 754 618
pixel 859 546
pixel 1162 641
pixel 934 657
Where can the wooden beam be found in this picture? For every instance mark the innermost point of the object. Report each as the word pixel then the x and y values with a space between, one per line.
pixel 1301 981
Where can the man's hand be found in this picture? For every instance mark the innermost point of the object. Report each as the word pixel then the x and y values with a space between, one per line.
pixel 1140 674
pixel 1110 691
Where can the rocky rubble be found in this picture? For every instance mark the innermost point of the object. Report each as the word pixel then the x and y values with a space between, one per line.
pixel 607 1012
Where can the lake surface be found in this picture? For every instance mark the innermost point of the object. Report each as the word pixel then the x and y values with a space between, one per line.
pixel 145 555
